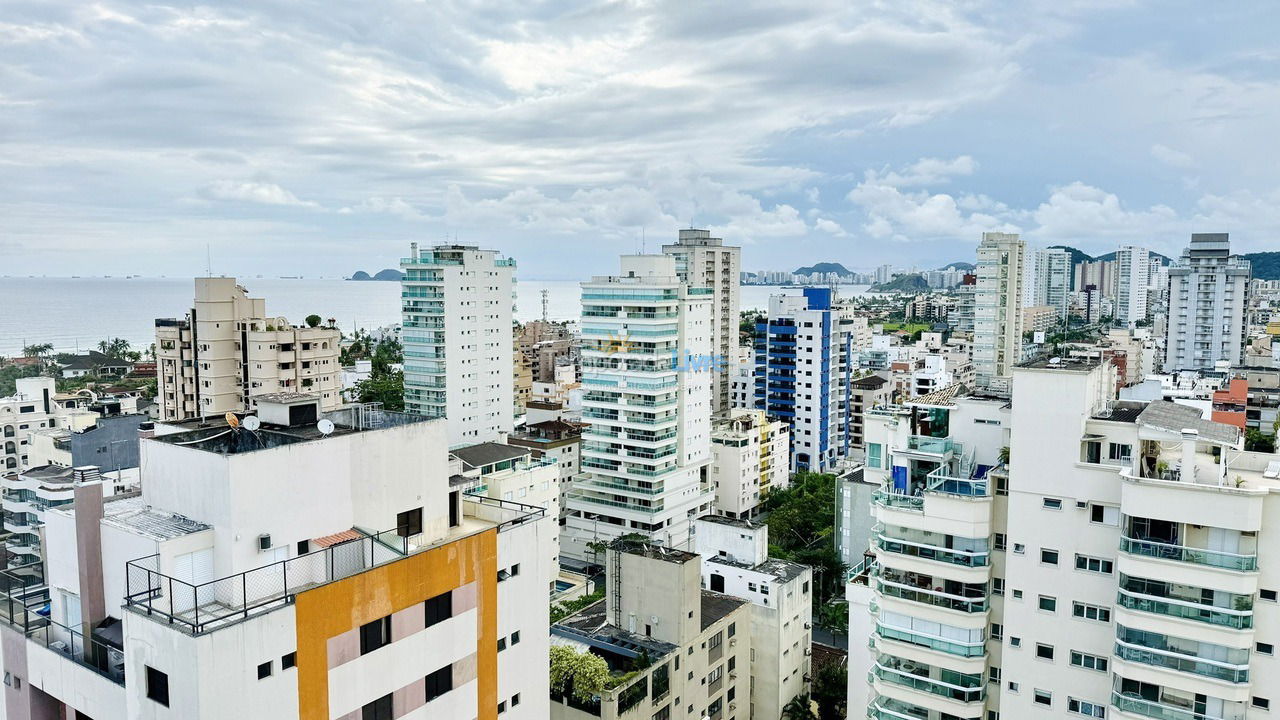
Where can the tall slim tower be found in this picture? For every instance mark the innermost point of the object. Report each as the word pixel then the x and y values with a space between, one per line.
pixel 997 344
pixel 1133 270
pixel 705 261
pixel 645 337
pixel 457 339
pixel 1208 301
pixel 1053 280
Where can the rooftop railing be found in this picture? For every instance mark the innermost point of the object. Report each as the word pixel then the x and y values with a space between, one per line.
pixel 198 608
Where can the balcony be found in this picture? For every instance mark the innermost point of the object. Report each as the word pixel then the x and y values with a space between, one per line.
pixel 915 676
pixel 1182 610
pixel 909 548
pixel 1147 708
pixel 899 501
pixel 944 482
pixel 1181 655
pixel 1196 556
pixel 930 642
pixel 913 587
pixel 926 445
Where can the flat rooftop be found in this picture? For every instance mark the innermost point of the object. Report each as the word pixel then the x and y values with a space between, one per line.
pixel 717 606
pixel 131 513
pixel 1076 364
pixel 216 436
pixel 590 626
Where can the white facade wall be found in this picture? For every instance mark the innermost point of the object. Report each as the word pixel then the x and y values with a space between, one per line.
pixel 997 338
pixel 1133 267
pixel 1208 301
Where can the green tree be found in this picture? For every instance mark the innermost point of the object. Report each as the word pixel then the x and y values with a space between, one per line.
pixel 800 708
pixel 388 352
pixel 1257 441
pixel 9 375
pixel 386 388
pixel 37 350
pixel 117 348
pixel 586 674
pixel 314 320
pixel 830 691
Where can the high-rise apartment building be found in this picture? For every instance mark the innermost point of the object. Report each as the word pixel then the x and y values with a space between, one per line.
pixel 1133 280
pixel 227 350
pixel 1112 562
pixel 318 566
pixel 705 261
pixel 997 333
pixel 647 372
pixel 1053 280
pixel 804 363
pixel 1100 273
pixel 1208 302
pixel 457 336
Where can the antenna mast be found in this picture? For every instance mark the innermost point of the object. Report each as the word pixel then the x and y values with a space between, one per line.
pixel 544 305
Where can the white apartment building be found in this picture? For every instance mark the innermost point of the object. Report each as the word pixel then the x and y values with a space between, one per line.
pixel 318 566
pixel 735 561
pixel 932 375
pixel 457 336
pixel 558 442
pixel 750 458
pixel 648 371
pixel 512 474
pixel 1208 301
pixel 705 261
pixel 1133 280
pixel 30 408
pixel 227 350
pixel 1053 280
pixel 997 333
pixel 696 642
pixel 1115 567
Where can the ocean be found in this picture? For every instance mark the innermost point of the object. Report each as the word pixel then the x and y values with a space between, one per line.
pixel 75 313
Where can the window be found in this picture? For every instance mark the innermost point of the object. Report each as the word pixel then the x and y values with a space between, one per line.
pixel 1044 652
pixel 1265 648
pixel 1048 604
pixel 1048 557
pixel 733 627
pixel 1088 662
pixel 409 523
pixel 994 675
pixel 1013 687
pixel 502 707
pixel 375 634
pixel 264 670
pixel 515 700
pixel 1000 541
pixel 304 547
pixel 1017 594
pixel 1093 564
pixel 997 631
pixel 1267 595
pixel 439 682
pixel 1044 697
pixel 1090 612
pixel 873 455
pixel 515 638
pixel 157 686
pixel 997 586
pixel 288 661
pixel 1088 709
pixel 379 709
pixel 1052 504
pixel 1104 515
pixel 1262 703
pixel 502 644
pixel 1019 549
pixel 439 608
pixel 1119 452
pixel 1015 642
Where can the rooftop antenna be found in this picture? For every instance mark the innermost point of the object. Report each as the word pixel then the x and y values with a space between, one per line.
pixel 208 261
pixel 544 305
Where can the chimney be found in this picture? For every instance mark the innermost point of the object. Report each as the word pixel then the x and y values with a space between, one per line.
pixel 1189 439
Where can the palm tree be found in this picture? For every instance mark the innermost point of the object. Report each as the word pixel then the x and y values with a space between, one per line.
pixel 798 709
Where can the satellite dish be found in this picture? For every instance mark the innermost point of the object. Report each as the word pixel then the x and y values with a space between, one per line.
pixel 232 420
pixel 252 423
pixel 325 426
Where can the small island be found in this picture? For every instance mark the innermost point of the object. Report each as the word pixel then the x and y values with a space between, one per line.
pixel 911 283
pixel 389 275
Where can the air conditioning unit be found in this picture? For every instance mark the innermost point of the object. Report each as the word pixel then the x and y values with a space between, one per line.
pixel 264 542
pixel 808 626
pixel 733 642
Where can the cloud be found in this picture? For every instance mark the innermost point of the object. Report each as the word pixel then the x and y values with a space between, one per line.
pixel 1083 211
pixel 927 171
pixel 396 206
pixel 252 192
pixel 1172 158
pixel 892 213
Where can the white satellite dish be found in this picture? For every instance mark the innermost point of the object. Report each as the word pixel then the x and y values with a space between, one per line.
pixel 325 426
pixel 252 423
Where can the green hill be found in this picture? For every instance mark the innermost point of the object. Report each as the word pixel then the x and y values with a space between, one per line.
pixel 913 283
pixel 1266 265
pixel 823 267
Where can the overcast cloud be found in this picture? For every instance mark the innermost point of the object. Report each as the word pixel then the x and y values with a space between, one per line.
pixel 320 138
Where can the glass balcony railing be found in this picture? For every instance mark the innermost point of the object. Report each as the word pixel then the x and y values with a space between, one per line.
pixel 897 500
pixel 924 596
pixel 965 558
pixel 1147 708
pixel 1223 617
pixel 1197 556
pixel 941 481
pixel 951 647
pixel 973 690
pixel 1169 660
pixel 932 445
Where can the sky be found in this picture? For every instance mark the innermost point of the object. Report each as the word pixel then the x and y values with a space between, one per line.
pixel 307 138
